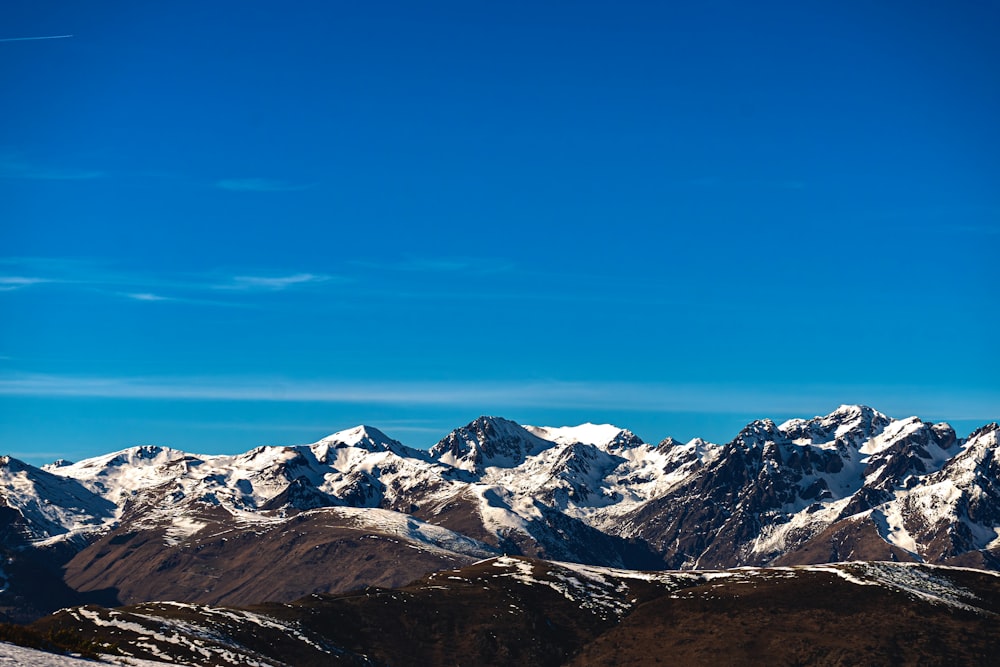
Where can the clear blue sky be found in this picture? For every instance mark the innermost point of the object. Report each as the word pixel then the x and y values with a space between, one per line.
pixel 227 224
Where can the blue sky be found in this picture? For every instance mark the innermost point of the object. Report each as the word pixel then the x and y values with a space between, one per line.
pixel 229 224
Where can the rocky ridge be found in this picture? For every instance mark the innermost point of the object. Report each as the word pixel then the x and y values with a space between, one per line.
pixel 151 523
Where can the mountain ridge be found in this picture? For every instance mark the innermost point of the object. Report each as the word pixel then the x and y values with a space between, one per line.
pixel 851 484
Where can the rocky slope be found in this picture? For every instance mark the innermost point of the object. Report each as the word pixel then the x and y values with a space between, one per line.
pixel 359 508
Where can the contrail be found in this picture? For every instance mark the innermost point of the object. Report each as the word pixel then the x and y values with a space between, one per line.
pixel 30 39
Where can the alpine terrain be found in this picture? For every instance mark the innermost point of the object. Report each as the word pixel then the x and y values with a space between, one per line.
pixel 551 525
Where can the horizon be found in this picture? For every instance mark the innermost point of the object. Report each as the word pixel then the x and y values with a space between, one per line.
pixel 234 224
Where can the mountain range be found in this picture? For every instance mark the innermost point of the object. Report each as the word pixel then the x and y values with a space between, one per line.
pixel 359 508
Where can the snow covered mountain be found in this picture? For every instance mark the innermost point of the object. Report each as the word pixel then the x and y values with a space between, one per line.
pixel 850 485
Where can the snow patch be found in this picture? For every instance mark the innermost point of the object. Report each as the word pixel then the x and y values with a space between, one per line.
pixel 11 654
pixel 600 435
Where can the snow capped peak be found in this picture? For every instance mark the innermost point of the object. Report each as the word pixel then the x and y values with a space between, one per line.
pixel 349 436
pixel 757 432
pixel 50 504
pixel 132 457
pixel 117 475
pixel 855 415
pixel 496 423
pixel 603 436
pixel 851 411
pixel 366 437
pixel 848 425
pixel 11 464
pixel 487 442
pixel 984 439
pixel 361 440
pixel 668 443
pixel 992 427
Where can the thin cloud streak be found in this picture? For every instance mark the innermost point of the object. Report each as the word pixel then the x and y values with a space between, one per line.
pixel 274 283
pixel 365 287
pixel 146 296
pixel 183 288
pixel 506 395
pixel 33 39
pixel 10 283
pixel 149 297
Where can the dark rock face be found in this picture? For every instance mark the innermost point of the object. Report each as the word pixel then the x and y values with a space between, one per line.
pixel 772 482
pixel 488 441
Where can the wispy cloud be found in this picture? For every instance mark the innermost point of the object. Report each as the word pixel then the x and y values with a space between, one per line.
pixel 146 296
pixel 275 389
pixel 150 297
pixel 10 283
pixel 275 283
pixel 492 396
pixel 151 286
pixel 33 39
pixel 11 167
pixel 261 185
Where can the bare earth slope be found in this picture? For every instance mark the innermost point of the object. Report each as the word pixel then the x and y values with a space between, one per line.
pixel 516 611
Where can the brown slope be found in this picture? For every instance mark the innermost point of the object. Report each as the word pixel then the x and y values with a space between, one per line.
pixel 851 539
pixel 229 564
pixel 478 615
pixel 520 612
pixel 812 618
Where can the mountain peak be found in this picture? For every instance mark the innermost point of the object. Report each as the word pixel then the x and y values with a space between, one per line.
pixel 12 464
pixel 130 457
pixel 362 437
pixel 852 409
pixel 758 431
pixel 359 436
pixel 602 436
pixel 854 413
pixel 486 442
pixel 853 425
pixel 985 429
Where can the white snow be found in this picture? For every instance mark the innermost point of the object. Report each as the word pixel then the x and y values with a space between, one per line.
pixel 890 516
pixel 925 582
pixel 212 641
pixel 593 592
pixel 896 430
pixel 409 528
pixel 55 507
pixel 181 528
pixel 600 435
pixel 11 654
